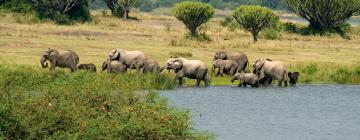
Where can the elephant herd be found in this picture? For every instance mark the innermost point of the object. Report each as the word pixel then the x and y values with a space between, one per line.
pixel 234 64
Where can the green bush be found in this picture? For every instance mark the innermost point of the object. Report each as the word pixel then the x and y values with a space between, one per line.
pixel 357 70
pixel 21 6
pixel 255 19
pixel 193 14
pixel 289 27
pixel 310 69
pixel 271 34
pixel 84 105
pixel 341 76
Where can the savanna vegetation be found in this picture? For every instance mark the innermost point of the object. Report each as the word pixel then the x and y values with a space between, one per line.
pixel 38 105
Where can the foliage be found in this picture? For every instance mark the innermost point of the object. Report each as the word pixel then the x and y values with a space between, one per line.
pixel 289 27
pixel 120 8
pixel 63 11
pixel 324 15
pixel 21 6
pixel 310 69
pixel 193 14
pixel 86 105
pixel 271 34
pixel 254 19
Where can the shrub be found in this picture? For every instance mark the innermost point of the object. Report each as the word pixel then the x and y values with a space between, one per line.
pixel 120 8
pixel 357 70
pixel 21 6
pixel 324 15
pixel 76 10
pixel 289 27
pixel 310 69
pixel 86 105
pixel 193 14
pixel 254 19
pixel 341 76
pixel 271 34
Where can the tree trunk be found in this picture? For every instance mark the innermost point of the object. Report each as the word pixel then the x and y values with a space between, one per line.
pixel 193 32
pixel 125 13
pixel 255 37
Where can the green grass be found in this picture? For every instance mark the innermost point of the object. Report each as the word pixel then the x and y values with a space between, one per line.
pixel 37 105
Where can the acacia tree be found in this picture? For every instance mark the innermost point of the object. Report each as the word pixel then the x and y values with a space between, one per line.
pixel 324 14
pixel 254 19
pixel 120 7
pixel 193 14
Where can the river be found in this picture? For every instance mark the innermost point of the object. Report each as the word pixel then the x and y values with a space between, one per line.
pixel 329 112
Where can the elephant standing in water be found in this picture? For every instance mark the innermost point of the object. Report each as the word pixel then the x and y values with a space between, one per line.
pixel 273 69
pixel 193 69
pixel 240 58
pixel 145 66
pixel 225 66
pixel 246 79
pixel 126 57
pixel 62 59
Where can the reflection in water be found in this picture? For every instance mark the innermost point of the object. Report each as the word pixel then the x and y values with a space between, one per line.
pixel 305 112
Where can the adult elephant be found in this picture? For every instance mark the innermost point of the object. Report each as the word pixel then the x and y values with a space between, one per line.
pixel 266 68
pixel 126 57
pixel 193 69
pixel 62 59
pixel 238 57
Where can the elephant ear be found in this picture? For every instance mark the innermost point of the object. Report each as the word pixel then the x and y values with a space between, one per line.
pixel 223 55
pixel 115 55
pixel 259 64
pixel 177 65
pixel 53 54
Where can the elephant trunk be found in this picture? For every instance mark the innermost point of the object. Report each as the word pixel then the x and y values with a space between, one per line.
pixel 42 61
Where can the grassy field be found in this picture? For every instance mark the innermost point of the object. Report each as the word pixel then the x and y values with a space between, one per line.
pixel 23 39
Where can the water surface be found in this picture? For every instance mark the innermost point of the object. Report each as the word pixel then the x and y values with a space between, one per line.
pixel 321 112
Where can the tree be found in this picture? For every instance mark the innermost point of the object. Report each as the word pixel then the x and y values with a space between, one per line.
pixel 120 7
pixel 324 15
pixel 193 14
pixel 254 19
pixel 62 11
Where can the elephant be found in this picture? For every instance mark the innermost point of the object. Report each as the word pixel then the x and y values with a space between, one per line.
pixel 265 81
pixel 126 57
pixel 62 59
pixel 225 66
pixel 246 79
pixel 293 76
pixel 113 66
pixel 193 69
pixel 145 66
pixel 88 67
pixel 274 69
pixel 238 57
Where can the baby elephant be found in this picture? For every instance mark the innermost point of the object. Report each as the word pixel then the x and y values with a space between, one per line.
pixel 113 66
pixel 293 76
pixel 225 66
pixel 246 79
pixel 145 66
pixel 88 67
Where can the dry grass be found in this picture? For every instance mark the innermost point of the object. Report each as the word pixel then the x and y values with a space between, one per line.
pixel 159 37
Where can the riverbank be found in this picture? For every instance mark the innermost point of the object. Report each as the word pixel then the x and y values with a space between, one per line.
pixel 34 104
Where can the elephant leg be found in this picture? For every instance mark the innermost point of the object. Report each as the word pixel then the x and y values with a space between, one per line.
pixel 141 70
pixel 206 82
pixel 198 82
pixel 280 83
pixel 222 72
pixel 240 84
pixel 180 80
